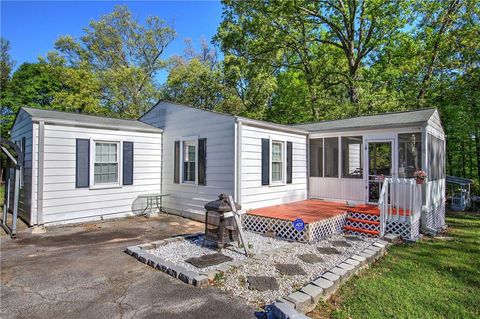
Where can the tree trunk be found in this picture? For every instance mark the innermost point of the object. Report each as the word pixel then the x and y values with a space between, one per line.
pixel 353 93
pixel 477 145
pixel 470 157
pixel 449 160
pixel 446 21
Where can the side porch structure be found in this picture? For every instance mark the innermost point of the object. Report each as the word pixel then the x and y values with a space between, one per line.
pixel 361 170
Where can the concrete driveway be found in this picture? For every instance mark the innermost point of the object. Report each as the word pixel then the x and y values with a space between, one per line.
pixel 82 272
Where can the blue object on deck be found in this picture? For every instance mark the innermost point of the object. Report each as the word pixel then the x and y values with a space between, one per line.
pixel 298 224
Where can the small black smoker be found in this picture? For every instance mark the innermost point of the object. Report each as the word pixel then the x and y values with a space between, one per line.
pixel 222 222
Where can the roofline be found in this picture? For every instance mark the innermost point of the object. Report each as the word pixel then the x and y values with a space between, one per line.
pixel 270 125
pixel 187 106
pixel 237 119
pixel 36 119
pixel 368 115
pixel 101 126
pixel 369 127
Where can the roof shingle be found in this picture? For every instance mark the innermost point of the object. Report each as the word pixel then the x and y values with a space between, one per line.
pixel 393 119
pixel 84 119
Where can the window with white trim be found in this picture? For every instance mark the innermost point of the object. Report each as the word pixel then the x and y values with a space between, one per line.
pixel 278 166
pixel 106 163
pixel 189 161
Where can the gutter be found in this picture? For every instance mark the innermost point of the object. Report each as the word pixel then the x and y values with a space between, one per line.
pixel 365 128
pixel 272 126
pixel 92 125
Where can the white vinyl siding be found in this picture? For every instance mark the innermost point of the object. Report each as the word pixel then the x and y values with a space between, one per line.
pixel 24 127
pixel 62 202
pixel 188 199
pixel 253 194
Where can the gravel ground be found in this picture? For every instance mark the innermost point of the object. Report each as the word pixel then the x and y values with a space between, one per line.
pixel 235 280
pixel 177 252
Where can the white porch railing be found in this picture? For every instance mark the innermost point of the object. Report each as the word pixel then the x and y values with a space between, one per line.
pixel 400 201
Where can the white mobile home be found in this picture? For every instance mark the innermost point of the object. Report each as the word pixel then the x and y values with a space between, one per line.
pixel 81 167
pixel 208 153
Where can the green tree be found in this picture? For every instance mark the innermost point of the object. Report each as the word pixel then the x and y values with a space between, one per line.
pixel 49 84
pixel 6 63
pixel 197 79
pixel 328 42
pixel 125 55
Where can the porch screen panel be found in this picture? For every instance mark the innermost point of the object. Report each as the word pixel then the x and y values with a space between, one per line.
pixel 331 156
pixel 316 157
pixel 436 158
pixel 409 154
pixel 352 164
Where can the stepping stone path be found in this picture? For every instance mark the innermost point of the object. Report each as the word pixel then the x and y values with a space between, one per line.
pixel 208 260
pixel 353 238
pixel 328 251
pixel 290 269
pixel 310 258
pixel 262 283
pixel 341 243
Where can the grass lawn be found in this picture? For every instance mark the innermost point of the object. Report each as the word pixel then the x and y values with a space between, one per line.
pixel 435 278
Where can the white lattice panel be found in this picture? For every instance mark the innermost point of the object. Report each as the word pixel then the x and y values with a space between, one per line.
pixel 369 217
pixel 284 228
pixel 435 218
pixel 404 228
pixel 327 227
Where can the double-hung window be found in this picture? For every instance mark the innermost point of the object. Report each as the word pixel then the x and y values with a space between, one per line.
pixel 277 161
pixel 189 161
pixel 106 168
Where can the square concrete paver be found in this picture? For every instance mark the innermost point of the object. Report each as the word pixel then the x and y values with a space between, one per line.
pixel 208 260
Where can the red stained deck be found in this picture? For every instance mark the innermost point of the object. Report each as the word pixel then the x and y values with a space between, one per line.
pixel 311 210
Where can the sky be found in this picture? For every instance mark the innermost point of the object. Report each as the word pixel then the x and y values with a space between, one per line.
pixel 33 26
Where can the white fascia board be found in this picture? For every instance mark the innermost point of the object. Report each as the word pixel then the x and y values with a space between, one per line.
pixel 271 126
pixel 100 126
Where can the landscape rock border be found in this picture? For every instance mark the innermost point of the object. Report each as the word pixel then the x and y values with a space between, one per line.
pixel 292 306
pixel 296 304
pixel 194 278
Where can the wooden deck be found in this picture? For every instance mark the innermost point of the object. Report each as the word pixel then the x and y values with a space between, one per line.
pixel 311 210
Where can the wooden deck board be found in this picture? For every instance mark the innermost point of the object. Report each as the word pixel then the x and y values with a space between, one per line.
pixel 311 210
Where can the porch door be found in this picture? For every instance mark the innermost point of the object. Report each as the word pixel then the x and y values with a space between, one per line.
pixel 380 164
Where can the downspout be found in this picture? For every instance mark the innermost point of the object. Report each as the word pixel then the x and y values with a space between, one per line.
pixel 239 163
pixel 40 166
pixel 308 165
pixel 161 166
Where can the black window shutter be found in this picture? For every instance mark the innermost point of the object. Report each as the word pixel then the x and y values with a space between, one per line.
pixel 24 141
pixel 176 162
pixel 289 162
pixel 82 163
pixel 127 163
pixel 265 161
pixel 202 161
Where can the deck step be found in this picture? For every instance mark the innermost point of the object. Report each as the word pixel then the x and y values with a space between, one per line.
pixel 364 216
pixel 362 211
pixel 359 220
pixel 361 230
